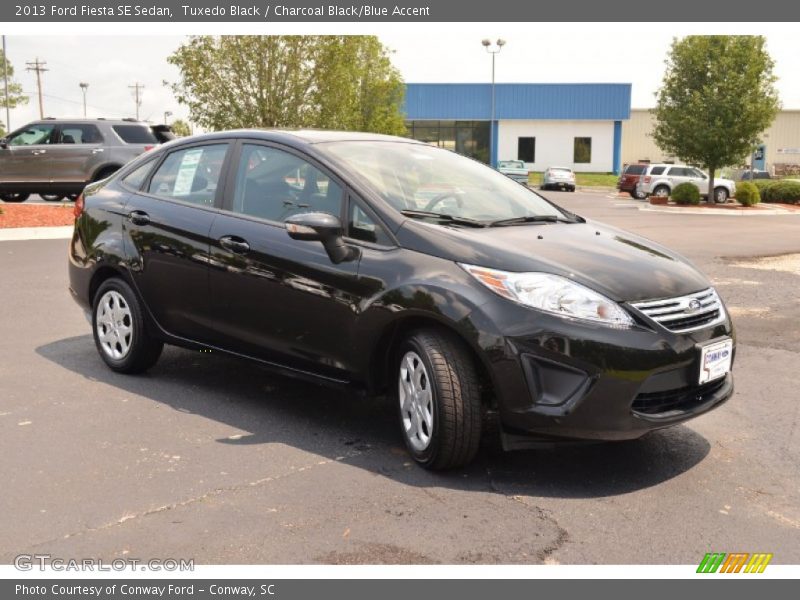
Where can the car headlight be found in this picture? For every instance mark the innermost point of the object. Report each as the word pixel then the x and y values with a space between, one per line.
pixel 553 294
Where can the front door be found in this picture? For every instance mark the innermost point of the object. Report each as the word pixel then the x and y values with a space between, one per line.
pixel 168 224
pixel 26 157
pixel 273 297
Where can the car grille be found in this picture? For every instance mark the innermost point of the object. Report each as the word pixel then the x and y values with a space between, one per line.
pixel 685 313
pixel 653 403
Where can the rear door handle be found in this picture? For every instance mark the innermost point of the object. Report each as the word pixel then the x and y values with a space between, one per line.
pixel 139 217
pixel 38 152
pixel 97 151
pixel 235 244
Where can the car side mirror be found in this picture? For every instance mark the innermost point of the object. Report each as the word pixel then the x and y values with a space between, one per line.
pixel 4 143
pixel 322 227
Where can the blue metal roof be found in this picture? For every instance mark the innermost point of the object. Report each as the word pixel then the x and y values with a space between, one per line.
pixel 473 101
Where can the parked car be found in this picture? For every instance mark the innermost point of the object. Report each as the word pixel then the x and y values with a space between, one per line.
pixel 756 174
pixel 629 180
pixel 488 308
pixel 515 169
pixel 661 179
pixel 57 158
pixel 558 178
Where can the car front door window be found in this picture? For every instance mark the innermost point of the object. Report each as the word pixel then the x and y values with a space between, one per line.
pixel 32 136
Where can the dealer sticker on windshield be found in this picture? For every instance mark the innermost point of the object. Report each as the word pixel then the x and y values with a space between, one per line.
pixel 715 360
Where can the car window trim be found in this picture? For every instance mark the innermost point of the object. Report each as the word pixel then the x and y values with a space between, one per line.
pixel 221 183
pixel 230 189
pixel 353 197
pixel 152 160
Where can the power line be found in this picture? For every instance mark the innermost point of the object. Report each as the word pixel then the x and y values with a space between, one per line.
pixel 136 87
pixel 39 67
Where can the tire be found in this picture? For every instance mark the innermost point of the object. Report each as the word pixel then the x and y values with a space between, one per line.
pixel 572 189
pixel 438 399
pixel 12 197
pixel 638 195
pixel 543 187
pixel 105 172
pixel 51 197
pixel 720 195
pixel 116 310
pixel 661 190
pixel 72 197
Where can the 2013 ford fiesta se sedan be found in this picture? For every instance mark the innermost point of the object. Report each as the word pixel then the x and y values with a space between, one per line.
pixel 394 267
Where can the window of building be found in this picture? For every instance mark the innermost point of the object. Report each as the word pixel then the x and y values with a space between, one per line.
pixel 526 149
pixel 470 138
pixel 583 150
pixel 190 175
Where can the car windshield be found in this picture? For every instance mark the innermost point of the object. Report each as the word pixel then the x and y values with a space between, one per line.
pixel 417 177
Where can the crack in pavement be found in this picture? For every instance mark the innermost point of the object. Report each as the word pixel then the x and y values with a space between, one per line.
pixel 541 513
pixel 209 494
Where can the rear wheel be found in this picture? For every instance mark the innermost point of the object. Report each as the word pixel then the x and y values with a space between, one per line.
pixel 661 191
pixel 720 195
pixel 12 197
pixel 438 399
pixel 51 197
pixel 106 172
pixel 638 194
pixel 119 329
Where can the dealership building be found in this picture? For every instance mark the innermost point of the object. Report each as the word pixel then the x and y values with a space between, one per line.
pixel 575 125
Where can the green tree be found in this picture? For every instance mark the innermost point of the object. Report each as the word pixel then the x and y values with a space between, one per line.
pixel 330 82
pixel 717 97
pixel 15 95
pixel 180 128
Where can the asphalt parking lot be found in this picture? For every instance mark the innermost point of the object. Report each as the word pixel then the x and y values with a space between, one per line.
pixel 216 459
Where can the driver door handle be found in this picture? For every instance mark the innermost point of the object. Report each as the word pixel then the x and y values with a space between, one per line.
pixel 234 244
pixel 38 152
pixel 139 217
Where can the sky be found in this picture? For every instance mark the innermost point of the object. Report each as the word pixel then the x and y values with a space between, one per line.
pixel 109 64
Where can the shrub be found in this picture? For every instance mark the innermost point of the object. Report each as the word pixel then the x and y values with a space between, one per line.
pixel 747 194
pixel 686 193
pixel 763 185
pixel 783 190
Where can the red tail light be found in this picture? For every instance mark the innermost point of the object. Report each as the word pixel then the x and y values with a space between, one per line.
pixel 80 204
pixel 647 178
pixel 148 148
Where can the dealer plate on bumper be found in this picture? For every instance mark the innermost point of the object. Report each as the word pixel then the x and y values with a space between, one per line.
pixel 715 360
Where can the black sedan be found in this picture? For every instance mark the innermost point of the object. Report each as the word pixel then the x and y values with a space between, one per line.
pixel 389 265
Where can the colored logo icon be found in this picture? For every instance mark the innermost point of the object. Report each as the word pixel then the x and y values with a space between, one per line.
pixel 736 562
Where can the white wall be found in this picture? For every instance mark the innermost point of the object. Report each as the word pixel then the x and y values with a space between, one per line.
pixel 555 143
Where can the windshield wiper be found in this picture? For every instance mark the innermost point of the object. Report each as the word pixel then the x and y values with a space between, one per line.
pixel 529 219
pixel 443 217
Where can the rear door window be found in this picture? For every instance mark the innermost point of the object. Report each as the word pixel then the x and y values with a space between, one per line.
pixel 80 134
pixel 190 175
pixel 135 134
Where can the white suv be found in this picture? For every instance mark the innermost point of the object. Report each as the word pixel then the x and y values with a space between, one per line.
pixel 661 179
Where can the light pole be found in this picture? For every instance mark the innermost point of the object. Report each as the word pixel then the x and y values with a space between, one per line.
pixel 493 50
pixel 167 114
pixel 84 87
pixel 5 78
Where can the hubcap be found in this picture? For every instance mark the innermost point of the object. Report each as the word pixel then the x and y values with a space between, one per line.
pixel 662 192
pixel 416 401
pixel 114 325
pixel 721 196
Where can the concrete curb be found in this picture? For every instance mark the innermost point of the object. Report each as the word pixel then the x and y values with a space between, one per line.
pixel 718 211
pixel 35 233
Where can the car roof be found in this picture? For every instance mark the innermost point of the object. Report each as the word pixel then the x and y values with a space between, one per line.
pixel 557 167
pixel 124 121
pixel 302 136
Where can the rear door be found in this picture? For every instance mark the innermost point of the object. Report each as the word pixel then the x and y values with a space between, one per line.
pixel 273 297
pixel 168 224
pixel 77 152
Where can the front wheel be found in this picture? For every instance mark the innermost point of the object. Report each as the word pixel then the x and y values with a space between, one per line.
pixel 12 197
pixel 720 195
pixel 51 197
pixel 438 397
pixel 661 191
pixel 638 194
pixel 119 329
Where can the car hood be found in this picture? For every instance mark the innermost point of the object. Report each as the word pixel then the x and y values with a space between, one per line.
pixel 618 264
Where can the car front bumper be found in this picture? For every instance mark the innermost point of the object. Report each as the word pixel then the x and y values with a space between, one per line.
pixel 557 379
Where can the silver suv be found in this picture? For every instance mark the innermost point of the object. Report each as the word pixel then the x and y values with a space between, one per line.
pixel 57 158
pixel 661 179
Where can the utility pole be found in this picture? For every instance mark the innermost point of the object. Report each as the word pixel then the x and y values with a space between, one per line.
pixel 136 87
pixel 167 115
pixel 5 77
pixel 38 66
